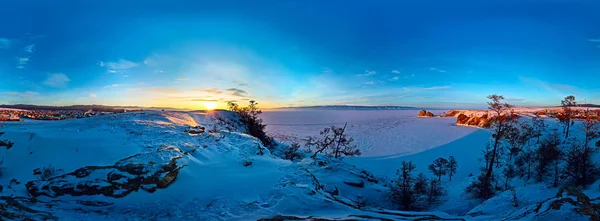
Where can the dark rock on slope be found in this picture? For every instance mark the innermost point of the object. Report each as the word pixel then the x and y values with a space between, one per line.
pixel 147 171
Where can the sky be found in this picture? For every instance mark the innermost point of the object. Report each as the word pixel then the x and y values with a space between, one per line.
pixel 284 53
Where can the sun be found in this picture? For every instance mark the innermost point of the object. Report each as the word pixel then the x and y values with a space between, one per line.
pixel 210 105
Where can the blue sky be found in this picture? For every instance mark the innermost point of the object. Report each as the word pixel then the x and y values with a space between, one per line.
pixel 296 53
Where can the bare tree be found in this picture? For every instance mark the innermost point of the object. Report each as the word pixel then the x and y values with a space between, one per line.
pixel 568 113
pixel 333 142
pixel 500 124
pixel 439 167
pixel 452 166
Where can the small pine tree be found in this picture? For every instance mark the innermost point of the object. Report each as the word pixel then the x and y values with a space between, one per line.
pixel 539 127
pixel 402 193
pixel 439 167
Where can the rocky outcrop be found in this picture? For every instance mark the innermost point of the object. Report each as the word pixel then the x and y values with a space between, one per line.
pixel 568 200
pixel 19 208
pixel 483 121
pixel 147 171
pixel 424 113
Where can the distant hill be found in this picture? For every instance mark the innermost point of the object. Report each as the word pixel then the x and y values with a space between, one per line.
pixel 588 105
pixel 350 107
pixel 72 107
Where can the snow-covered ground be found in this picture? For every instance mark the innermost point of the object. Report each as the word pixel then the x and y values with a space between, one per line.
pixel 155 166
pixel 145 166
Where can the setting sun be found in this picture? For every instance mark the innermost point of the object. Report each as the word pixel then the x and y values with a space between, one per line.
pixel 210 105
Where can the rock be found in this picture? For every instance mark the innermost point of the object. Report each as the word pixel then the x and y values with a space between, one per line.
pixel 247 163
pixel 119 180
pixel 424 113
pixel 360 184
pixel 6 143
pixel 567 199
pixel 462 119
pixel 483 121
pixel 195 130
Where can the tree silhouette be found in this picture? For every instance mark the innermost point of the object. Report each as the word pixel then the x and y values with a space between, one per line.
pixel 567 114
pixel 439 167
pixel 452 166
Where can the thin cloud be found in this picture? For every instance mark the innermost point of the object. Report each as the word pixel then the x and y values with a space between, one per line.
pixel 394 78
pixel 559 89
pixel 434 88
pixel 164 90
pixel 367 73
pixel 594 40
pixel 21 62
pixel 4 43
pixel 113 85
pixel 57 80
pixel 370 83
pixel 134 89
pixel 119 66
pixel 92 95
pixel 438 70
pixel 212 91
pixel 29 48
pixel 237 92
pixel 395 72
pixel 181 79
pixel 21 94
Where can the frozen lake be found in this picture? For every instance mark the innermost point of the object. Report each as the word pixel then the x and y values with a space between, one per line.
pixel 378 132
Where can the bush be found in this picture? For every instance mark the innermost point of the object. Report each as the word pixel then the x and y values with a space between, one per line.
pixel 250 117
pixel 47 172
pixel 333 142
pixel 291 152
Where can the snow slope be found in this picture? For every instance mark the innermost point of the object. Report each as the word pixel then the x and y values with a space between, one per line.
pixel 146 166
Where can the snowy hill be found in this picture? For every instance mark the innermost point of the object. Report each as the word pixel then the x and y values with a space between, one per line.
pixel 174 166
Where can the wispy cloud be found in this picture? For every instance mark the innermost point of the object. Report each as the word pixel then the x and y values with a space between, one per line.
pixel 370 83
pixel 113 85
pixel 29 48
pixel 594 40
pixel 559 89
pixel 367 73
pixel 4 43
pixel 164 90
pixel 212 91
pixel 21 62
pixel 134 89
pixel 92 95
pixel 57 80
pixel 395 78
pixel 119 66
pixel 25 94
pixel 438 70
pixel 237 92
pixel 181 79
pixel 434 88
pixel 395 72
